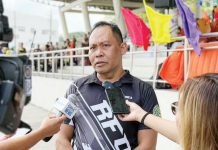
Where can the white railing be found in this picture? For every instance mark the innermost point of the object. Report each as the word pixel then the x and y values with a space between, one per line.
pixel 54 63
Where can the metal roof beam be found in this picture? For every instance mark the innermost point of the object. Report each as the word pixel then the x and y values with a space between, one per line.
pixel 91 12
pixel 101 3
pixel 132 4
pixel 73 4
pixel 109 3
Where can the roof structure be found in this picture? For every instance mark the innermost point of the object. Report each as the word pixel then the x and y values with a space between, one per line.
pixel 100 4
pixel 108 4
pixel 87 7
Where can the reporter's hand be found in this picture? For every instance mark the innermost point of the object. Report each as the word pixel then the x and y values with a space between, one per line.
pixel 5 137
pixel 51 125
pixel 136 113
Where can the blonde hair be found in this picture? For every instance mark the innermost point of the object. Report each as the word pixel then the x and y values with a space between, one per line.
pixel 198 113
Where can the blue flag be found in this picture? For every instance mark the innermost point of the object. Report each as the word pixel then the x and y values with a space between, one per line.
pixel 190 26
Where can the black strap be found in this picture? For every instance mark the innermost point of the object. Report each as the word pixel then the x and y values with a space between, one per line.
pixel 25 125
pixel 143 118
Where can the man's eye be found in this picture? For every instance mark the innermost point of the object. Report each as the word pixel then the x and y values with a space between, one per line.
pixel 91 48
pixel 106 45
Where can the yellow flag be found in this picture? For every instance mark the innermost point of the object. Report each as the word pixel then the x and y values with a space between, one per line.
pixel 159 24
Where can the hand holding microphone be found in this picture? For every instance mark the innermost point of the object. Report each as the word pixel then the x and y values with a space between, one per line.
pixel 51 125
pixel 64 106
pixel 48 127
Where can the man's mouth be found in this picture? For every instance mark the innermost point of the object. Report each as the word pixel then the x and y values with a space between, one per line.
pixel 100 64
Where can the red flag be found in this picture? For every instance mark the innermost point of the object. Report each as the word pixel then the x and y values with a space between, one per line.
pixel 139 33
pixel 72 44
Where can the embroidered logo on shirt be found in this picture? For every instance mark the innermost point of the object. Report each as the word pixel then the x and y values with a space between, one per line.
pixel 156 111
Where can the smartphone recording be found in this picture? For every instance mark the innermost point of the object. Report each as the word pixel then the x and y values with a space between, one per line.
pixel 117 101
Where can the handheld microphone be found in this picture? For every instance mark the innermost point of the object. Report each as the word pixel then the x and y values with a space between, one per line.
pixel 66 106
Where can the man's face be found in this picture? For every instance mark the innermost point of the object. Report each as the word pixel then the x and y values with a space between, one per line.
pixel 105 52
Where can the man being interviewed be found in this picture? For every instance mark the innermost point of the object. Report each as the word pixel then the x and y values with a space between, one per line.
pixel 95 126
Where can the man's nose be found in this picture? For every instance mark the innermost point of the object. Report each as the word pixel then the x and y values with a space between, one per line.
pixel 99 51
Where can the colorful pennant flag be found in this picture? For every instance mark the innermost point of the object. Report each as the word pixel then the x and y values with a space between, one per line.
pixel 139 33
pixel 159 24
pixel 189 25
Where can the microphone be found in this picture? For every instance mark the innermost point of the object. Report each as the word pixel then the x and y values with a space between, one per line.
pixel 66 106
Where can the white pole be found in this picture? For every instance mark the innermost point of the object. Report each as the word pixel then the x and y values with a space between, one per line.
pixel 63 24
pixel 155 66
pixel 119 17
pixel 50 25
pixel 86 17
pixel 186 59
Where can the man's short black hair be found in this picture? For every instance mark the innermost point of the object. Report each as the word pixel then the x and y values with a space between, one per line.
pixel 114 28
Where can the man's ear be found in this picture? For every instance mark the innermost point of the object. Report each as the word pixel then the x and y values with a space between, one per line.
pixel 124 48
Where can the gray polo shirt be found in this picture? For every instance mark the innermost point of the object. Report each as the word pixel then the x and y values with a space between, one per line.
pixel 96 127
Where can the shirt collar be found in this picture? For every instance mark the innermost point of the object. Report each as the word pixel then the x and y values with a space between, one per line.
pixel 126 78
